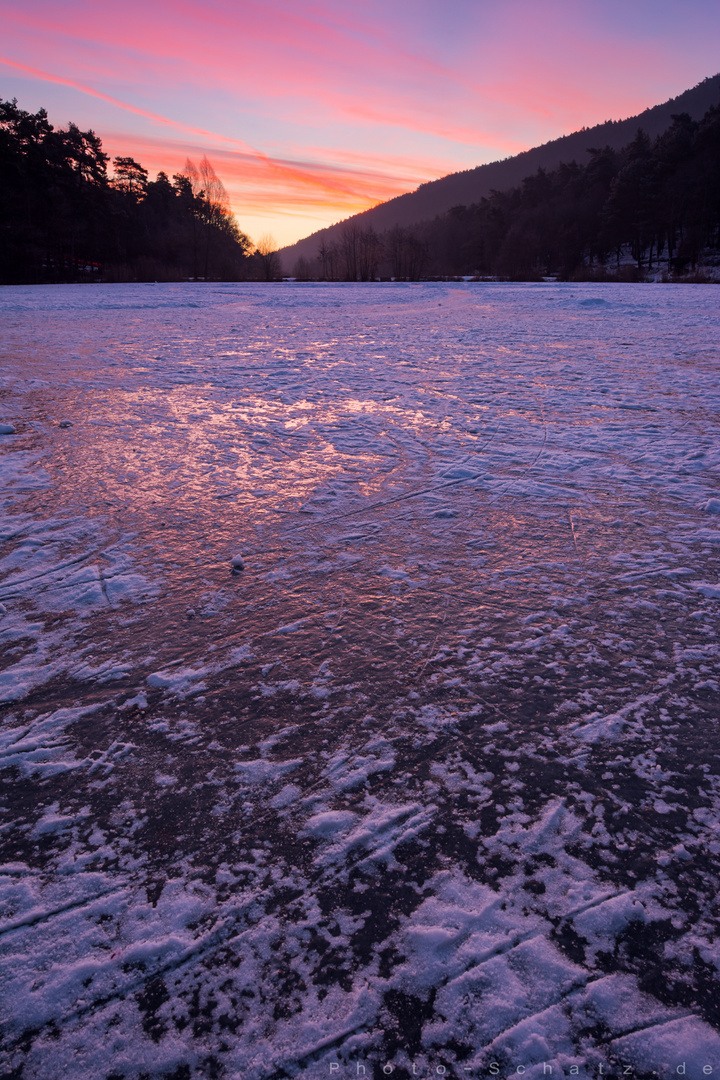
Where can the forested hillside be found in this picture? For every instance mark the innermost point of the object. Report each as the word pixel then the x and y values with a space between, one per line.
pixel 651 201
pixel 655 204
pixel 651 206
pixel 471 185
pixel 63 218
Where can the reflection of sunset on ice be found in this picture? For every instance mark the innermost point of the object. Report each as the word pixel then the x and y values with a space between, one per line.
pixel 360 680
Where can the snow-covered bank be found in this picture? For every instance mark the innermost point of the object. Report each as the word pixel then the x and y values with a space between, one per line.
pixel 433 782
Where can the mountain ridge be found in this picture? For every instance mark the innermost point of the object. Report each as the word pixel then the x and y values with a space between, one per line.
pixel 435 197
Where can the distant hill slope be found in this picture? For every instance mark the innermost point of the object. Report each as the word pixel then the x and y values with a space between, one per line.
pixel 470 186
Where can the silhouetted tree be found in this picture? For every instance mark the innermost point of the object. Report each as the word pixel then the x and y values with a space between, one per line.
pixel 130 177
pixel 63 219
pixel 302 270
pixel 407 253
pixel 369 253
pixel 329 258
pixel 267 258
pixel 349 249
pixel 650 200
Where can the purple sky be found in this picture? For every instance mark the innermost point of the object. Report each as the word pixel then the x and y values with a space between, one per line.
pixel 312 111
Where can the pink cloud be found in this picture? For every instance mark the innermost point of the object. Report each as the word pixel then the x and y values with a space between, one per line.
pixel 325 65
pixel 61 80
pixel 256 183
pixel 335 104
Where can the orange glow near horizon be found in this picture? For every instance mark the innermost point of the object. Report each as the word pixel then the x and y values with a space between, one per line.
pixel 312 112
pixel 262 189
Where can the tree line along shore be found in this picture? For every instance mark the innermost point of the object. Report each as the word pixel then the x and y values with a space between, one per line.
pixel 64 218
pixel 649 210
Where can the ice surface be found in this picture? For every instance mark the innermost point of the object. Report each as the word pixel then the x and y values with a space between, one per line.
pixel 433 783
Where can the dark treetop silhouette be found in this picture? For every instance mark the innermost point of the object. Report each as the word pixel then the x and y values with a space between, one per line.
pixel 653 204
pixel 467 188
pixel 62 218
pixel 652 201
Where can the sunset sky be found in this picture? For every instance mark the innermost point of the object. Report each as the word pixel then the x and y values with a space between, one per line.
pixel 311 112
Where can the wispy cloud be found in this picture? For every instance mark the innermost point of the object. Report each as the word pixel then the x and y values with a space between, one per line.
pixel 257 182
pixel 328 106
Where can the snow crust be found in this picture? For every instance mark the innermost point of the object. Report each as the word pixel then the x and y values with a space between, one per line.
pixel 433 783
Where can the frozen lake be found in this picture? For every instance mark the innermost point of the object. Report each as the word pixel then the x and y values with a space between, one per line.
pixel 432 784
